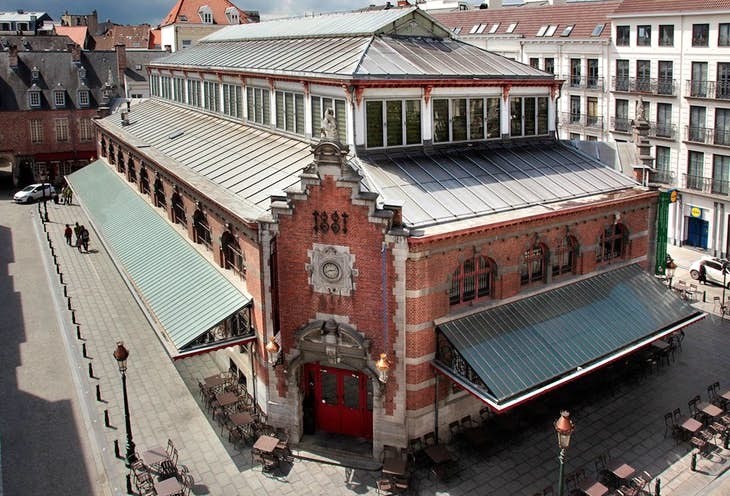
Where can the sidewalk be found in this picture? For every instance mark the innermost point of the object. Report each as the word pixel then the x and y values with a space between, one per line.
pixel 164 401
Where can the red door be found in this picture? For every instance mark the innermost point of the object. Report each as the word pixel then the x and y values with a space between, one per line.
pixel 343 400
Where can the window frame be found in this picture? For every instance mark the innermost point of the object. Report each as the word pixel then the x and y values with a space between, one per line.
pixel 700 35
pixel 383 125
pixel 211 96
pixel 613 244
pixel 84 100
pixel 723 39
pixel 232 100
pixel 60 126
pixel 34 99
pixel 623 35
pixel 293 120
pixel 194 92
pixel 490 128
pixel 565 261
pixel 666 35
pixel 86 130
pixel 643 35
pixel 36 131
pixel 475 285
pixel 533 265
pixel 258 105
pixel 339 106
pixel 538 121
pixel 59 98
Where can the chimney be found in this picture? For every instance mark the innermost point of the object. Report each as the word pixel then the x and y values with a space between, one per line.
pixel 121 50
pixel 13 57
pixel 494 4
pixel 75 53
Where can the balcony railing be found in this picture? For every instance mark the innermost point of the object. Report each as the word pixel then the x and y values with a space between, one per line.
pixel 662 130
pixel 707 136
pixel 662 176
pixel 586 82
pixel 654 86
pixel 621 125
pixel 708 89
pixel 581 120
pixel 706 184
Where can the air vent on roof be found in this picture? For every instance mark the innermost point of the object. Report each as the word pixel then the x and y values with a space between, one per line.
pixel 567 30
pixel 175 134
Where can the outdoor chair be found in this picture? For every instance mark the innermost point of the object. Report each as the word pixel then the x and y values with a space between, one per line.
pixel 668 423
pixel 455 431
pixel 415 451
pixel 692 406
pixel 429 439
pixel 385 486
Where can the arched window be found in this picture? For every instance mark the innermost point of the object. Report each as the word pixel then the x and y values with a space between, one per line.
pixel 473 280
pixel 159 198
pixel 232 255
pixel 566 256
pixel 111 154
pixel 534 263
pixel 613 243
pixel 103 147
pixel 131 171
pixel 144 181
pixel 201 231
pixel 120 161
pixel 178 210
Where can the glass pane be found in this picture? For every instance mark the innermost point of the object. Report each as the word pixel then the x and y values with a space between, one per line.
pixel 299 107
pixel 493 126
pixel 266 104
pixel 329 387
pixel 542 115
pixel 374 116
pixel 280 110
pixel 351 391
pixel 458 119
pixel 413 122
pixel 289 110
pixel 341 116
pixel 394 122
pixel 529 113
pixel 476 119
pixel 316 117
pixel 440 121
pixel 516 117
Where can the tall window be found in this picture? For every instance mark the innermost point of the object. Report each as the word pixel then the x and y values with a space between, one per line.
pixel 178 210
pixel 575 70
pixel 592 117
pixel 36 131
pixel 232 255
pixel 473 280
pixel 258 104
pixel 393 122
pixel 566 256
pixel 666 35
pixel 643 35
pixel 535 62
pixel 698 85
pixel 232 100
pixel 622 122
pixel 166 87
pixel 461 119
pixel 319 105
pixel 723 34
pixel 154 85
pixel 664 120
pixel 159 196
pixel 666 78
pixel 592 81
pixel 575 109
pixel 194 93
pixel 178 89
pixel 643 75
pixel 533 265
pixel 86 131
pixel 720 174
pixel 695 169
pixel 613 243
pixel 211 98
pixel 528 116
pixel 201 231
pixel 290 112
pixel 550 65
pixel 723 80
pixel 144 181
pixel 61 129
pixel 623 35
pixel 722 126
pixel 622 75
pixel 700 35
pixel 697 120
pixel 663 163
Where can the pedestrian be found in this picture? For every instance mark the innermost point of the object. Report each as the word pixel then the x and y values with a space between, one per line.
pixel 77 234
pixel 67 233
pixel 68 195
pixel 85 239
pixel 703 273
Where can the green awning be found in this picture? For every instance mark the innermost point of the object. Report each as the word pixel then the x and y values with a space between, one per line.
pixel 520 349
pixel 186 294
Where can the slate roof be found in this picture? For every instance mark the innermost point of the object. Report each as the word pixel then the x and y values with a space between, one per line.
pixel 37 43
pixel 583 15
pixel 186 11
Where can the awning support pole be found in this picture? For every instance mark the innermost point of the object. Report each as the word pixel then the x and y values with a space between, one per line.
pixel 252 350
pixel 436 409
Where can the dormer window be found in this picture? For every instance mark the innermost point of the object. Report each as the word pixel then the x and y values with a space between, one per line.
pixel 34 97
pixel 83 98
pixel 232 15
pixel 59 96
pixel 35 74
pixel 206 15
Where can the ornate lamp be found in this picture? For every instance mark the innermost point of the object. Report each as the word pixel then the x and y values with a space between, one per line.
pixel 564 427
pixel 272 351
pixel 383 366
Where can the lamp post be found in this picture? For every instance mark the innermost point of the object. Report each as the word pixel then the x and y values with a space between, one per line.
pixel 121 354
pixel 671 267
pixel 724 279
pixel 44 179
pixel 564 428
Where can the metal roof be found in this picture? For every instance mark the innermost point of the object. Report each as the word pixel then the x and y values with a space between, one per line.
pixel 332 24
pixel 186 294
pixel 458 183
pixel 520 346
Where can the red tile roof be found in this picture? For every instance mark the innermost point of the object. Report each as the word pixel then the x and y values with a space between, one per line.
pixel 657 6
pixel 584 15
pixel 188 9
pixel 130 36
pixel 76 33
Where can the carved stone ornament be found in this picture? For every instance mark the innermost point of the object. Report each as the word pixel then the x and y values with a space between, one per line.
pixel 329 125
pixel 331 269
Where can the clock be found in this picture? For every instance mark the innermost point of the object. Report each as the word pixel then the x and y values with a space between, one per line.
pixel 331 271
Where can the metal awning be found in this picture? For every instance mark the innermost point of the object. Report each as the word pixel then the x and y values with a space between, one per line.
pixel 185 293
pixel 516 351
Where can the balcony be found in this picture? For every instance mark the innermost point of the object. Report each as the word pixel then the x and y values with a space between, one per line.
pixel 707 89
pixel 652 86
pixel 706 184
pixel 588 83
pixel 662 130
pixel 707 136
pixel 662 176
pixel 621 125
pixel 581 120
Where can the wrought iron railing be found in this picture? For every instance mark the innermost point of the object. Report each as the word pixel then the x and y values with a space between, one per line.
pixel 621 124
pixel 706 184
pixel 662 176
pixel 696 88
pixel 654 86
pixel 707 136
pixel 586 82
pixel 581 120
pixel 662 130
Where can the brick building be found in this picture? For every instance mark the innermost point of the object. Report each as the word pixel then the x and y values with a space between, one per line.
pixel 383 206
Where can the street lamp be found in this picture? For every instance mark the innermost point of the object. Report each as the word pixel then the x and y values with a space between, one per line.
pixel 273 351
pixel 120 355
pixel 44 178
pixel 564 428
pixel 671 267
pixel 724 279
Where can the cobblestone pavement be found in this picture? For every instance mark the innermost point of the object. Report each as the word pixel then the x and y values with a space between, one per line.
pixel 627 421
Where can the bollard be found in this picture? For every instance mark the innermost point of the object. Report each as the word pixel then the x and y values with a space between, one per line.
pixel 69 302
pixel 60 276
pixel 129 484
pixel 704 296
pixel 73 317
pixel 98 392
pixel 78 332
pixel 658 488
pixel 91 371
pixel 65 291
pixel 83 352
pixel 693 465
pixel 106 418
pixel 116 448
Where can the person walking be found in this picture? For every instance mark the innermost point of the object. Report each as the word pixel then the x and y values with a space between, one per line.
pixel 68 195
pixel 85 239
pixel 67 233
pixel 77 233
pixel 703 274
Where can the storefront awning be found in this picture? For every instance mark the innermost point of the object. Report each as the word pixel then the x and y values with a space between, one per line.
pixel 186 294
pixel 516 351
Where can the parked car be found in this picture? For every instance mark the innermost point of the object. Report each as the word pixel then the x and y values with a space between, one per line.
pixel 713 270
pixel 35 192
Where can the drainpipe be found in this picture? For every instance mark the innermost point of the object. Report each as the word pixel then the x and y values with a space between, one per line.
pixel 715 229
pixel 436 410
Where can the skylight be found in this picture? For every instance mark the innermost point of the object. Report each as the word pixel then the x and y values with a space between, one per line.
pixel 541 31
pixel 551 30
pixel 567 30
pixel 457 30
pixel 511 27
pixel 494 28
pixel 481 29
pixel 598 30
pixel 474 28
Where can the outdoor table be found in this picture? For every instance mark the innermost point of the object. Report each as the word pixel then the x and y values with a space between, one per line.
pixel 168 487
pixel 710 410
pixel 241 419
pixel 691 425
pixel 622 471
pixel 226 399
pixel 266 444
pixel 438 454
pixel 726 395
pixel 593 488
pixel 154 457
pixel 394 466
pixel 214 381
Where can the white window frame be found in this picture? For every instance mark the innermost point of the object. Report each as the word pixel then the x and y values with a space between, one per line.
pixel 206 15
pixel 211 96
pixel 59 98
pixel 83 98
pixel 258 104
pixel 61 128
pixel 384 125
pixel 86 130
pixel 293 120
pixel 178 89
pixel 450 118
pixel 194 92
pixel 166 87
pixel 34 99
pixel 36 131
pixel 232 100
pixel 339 105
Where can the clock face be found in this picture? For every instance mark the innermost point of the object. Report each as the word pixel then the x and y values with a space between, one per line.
pixel 331 271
